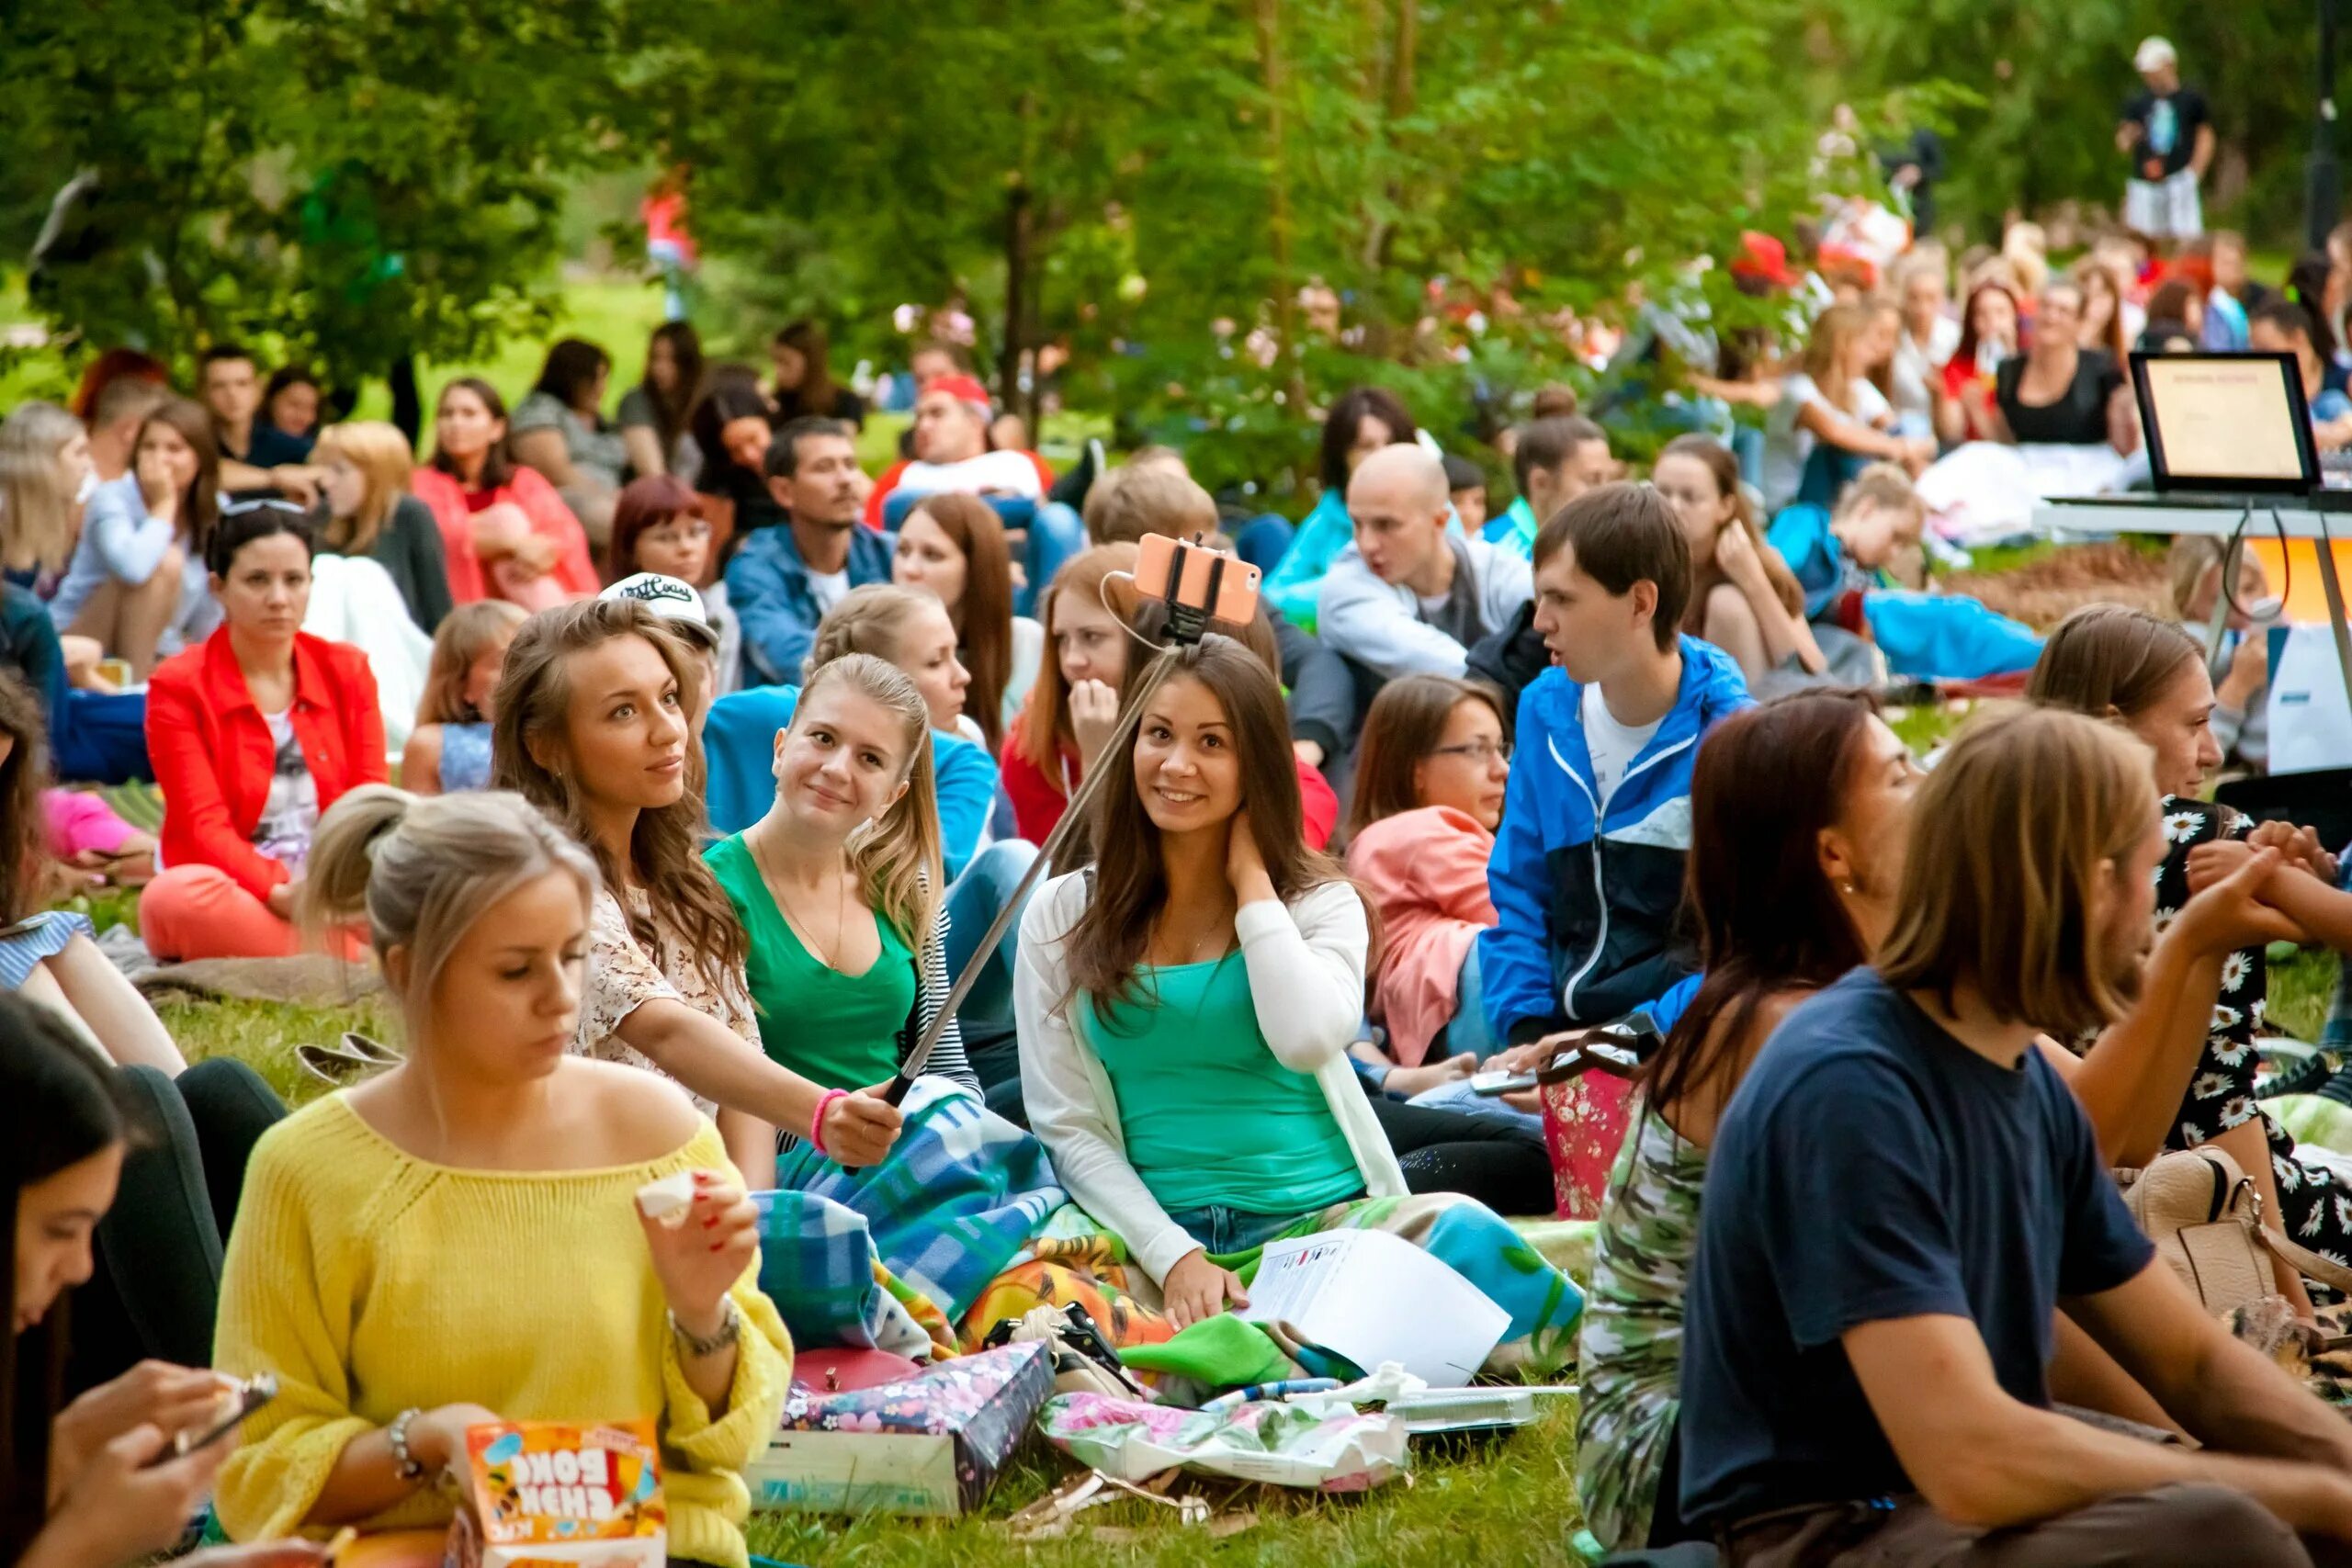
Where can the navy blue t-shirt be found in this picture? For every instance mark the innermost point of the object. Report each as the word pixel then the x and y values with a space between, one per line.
pixel 1871 1166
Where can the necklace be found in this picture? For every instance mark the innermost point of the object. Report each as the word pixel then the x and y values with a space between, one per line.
pixel 800 928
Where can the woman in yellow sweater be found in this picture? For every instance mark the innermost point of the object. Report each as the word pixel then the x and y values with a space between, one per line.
pixel 455 1241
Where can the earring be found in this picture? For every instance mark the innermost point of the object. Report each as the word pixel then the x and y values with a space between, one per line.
pixel 1847 887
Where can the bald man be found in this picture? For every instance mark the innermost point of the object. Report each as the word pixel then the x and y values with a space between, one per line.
pixel 1408 597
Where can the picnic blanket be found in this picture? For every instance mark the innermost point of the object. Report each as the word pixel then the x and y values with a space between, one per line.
pixel 888 1257
pixel 1075 1259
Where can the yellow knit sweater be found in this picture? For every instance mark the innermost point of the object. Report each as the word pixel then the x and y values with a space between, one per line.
pixel 370 1281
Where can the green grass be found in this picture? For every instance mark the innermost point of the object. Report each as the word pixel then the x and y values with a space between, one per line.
pixel 2300 988
pixel 1512 1503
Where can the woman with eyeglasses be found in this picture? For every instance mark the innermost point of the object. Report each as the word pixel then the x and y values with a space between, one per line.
pixel 254 732
pixel 1431 770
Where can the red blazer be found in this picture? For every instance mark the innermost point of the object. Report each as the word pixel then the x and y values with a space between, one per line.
pixel 213 756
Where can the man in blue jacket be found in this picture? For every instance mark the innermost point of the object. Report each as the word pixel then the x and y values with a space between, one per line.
pixel 783 579
pixel 1587 870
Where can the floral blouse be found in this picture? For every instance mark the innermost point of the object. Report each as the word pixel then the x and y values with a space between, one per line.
pixel 623 976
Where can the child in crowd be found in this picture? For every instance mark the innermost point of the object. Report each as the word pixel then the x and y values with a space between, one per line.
pixel 254 732
pixel 592 725
pixel 953 547
pixel 1744 598
pixel 1185 1007
pixel 1071 711
pixel 659 526
pixel 1431 776
pixel 449 748
pixel 1866 1356
pixel 1798 812
pixel 838 885
pixel 1587 873
pixel 2240 667
pixel 480 1194
pixel 1466 485
pixel 136 582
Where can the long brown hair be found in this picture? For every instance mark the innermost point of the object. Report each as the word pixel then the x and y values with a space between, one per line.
pixel 666 860
pixel 27 880
pixel 1106 946
pixel 1044 720
pixel 806 338
pixel 2029 810
pixel 1765 784
pixel 498 462
pixel 984 618
pixel 2107 657
pixel 200 503
pixel 1406 721
pixel 1706 575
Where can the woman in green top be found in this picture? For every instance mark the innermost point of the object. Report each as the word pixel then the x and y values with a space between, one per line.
pixel 837 885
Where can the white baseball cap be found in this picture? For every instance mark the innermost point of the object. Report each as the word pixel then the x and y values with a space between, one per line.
pixel 2154 54
pixel 672 598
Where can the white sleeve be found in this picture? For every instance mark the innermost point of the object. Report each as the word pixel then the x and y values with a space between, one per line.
pixel 1359 615
pixel 1078 1126
pixel 1306 964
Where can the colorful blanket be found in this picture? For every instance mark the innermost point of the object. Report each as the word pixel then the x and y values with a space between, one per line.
pixel 889 1255
pixel 1074 1260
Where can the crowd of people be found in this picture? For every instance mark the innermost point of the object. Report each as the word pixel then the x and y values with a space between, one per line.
pixel 1472 781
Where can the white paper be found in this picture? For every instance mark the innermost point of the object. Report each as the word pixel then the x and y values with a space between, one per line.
pixel 2311 716
pixel 1373 1297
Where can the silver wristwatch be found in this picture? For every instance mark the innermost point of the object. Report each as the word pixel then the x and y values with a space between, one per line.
pixel 730 1329
pixel 406 1465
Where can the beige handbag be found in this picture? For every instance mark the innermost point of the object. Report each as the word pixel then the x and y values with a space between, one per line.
pixel 2205 1217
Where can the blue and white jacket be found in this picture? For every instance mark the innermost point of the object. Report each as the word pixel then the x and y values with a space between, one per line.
pixel 1585 906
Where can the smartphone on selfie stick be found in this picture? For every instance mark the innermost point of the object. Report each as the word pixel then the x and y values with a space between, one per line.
pixel 1199 585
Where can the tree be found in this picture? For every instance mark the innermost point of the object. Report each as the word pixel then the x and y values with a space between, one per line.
pixel 352 181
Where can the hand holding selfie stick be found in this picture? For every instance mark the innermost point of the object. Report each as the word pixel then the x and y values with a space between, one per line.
pixel 1189 578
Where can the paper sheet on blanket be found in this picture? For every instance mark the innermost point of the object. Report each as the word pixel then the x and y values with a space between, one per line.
pixel 1373 1297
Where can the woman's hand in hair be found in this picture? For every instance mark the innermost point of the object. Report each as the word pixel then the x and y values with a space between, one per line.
pixel 1094 720
pixel 2228 911
pixel 153 1393
pixel 1244 866
pixel 1735 555
pixel 1197 1290
pixel 132 1500
pixel 860 1128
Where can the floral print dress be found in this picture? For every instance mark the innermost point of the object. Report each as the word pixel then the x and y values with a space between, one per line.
pixel 2316 1208
pixel 624 975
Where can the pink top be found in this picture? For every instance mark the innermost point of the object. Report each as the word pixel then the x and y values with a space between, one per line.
pixel 74 820
pixel 575 569
pixel 1426 871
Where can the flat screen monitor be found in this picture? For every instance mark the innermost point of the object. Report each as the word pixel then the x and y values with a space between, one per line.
pixel 2228 424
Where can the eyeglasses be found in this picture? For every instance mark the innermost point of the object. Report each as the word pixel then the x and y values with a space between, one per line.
pixel 1478 752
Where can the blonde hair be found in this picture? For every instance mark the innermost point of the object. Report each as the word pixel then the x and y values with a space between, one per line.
pixel 1824 351
pixel 423 868
pixel 466 633
pixel 384 461
pixel 870 619
pixel 2013 830
pixel 1887 485
pixel 1128 502
pixel 36 504
pixel 896 856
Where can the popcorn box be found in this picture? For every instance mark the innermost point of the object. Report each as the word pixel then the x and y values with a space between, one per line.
pixel 543 1493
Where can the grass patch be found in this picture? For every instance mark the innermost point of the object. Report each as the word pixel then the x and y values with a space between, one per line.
pixel 1512 1502
pixel 2301 986
pixel 262 1034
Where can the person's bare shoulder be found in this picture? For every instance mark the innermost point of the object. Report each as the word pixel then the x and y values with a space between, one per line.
pixel 646 1116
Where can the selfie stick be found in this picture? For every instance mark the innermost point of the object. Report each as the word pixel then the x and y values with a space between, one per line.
pixel 1185 625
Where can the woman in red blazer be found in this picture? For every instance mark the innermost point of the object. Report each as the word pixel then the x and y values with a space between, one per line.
pixel 254 732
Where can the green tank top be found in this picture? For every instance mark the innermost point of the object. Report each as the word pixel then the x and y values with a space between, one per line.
pixel 1209 1115
pixel 841 1031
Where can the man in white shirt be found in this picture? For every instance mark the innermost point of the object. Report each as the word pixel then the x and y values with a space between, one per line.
pixel 1406 598
pixel 951 440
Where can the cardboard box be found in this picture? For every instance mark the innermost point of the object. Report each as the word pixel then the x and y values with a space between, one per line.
pixel 927 1445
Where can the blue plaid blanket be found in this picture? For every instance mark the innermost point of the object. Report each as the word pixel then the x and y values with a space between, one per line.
pixel 892 1255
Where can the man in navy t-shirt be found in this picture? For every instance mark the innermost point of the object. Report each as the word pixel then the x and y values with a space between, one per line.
pixel 1903 1190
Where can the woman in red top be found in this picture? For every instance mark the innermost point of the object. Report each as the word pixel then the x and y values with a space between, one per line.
pixel 254 732
pixel 506 531
pixel 1988 335
pixel 1074 707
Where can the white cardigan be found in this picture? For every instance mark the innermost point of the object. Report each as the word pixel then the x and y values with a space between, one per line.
pixel 1307 979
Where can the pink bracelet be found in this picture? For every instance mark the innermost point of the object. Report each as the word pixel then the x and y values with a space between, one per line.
pixel 816 1123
